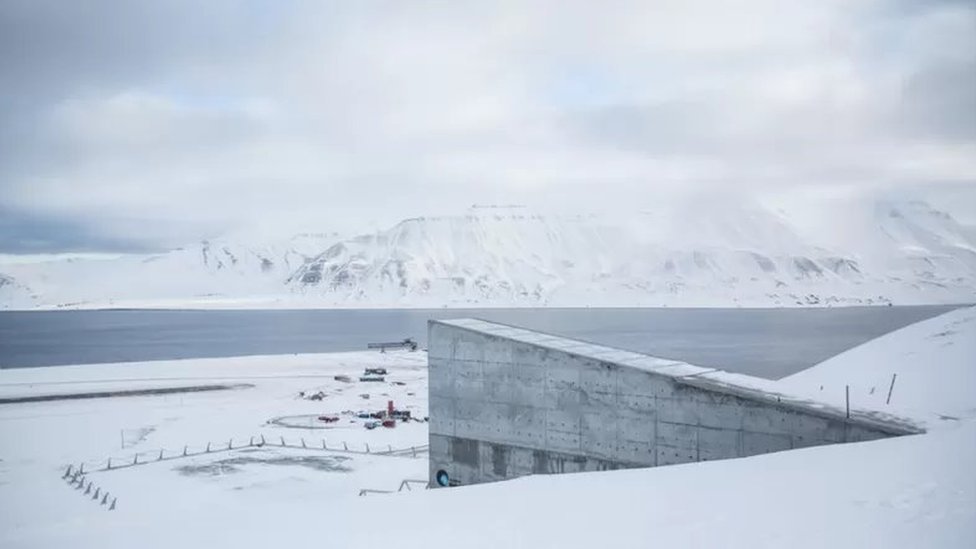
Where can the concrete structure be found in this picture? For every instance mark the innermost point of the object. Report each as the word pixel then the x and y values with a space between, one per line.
pixel 507 402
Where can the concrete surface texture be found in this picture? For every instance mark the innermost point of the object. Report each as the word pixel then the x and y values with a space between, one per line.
pixel 507 402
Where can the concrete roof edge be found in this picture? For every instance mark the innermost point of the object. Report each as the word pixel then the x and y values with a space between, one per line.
pixel 577 350
pixel 877 420
pixel 700 379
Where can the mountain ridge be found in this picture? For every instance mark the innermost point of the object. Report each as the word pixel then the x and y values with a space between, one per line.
pixel 709 255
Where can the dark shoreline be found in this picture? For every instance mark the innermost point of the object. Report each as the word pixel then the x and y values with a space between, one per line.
pixel 125 393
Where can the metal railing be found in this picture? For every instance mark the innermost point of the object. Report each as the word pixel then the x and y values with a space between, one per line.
pixel 405 484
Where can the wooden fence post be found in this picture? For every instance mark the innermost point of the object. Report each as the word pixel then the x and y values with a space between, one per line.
pixel 847 399
pixel 891 388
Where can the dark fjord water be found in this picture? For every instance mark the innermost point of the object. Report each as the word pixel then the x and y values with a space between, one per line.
pixel 770 343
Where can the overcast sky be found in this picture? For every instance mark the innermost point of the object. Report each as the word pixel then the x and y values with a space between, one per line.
pixel 130 125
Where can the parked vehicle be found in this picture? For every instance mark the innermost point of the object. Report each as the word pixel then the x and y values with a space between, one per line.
pixel 372 378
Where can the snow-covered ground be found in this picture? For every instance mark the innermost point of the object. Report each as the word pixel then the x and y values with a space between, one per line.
pixel 698 254
pixel 916 491
pixel 933 364
pixel 38 509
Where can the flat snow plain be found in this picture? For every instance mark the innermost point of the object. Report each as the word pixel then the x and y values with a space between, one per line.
pixel 917 491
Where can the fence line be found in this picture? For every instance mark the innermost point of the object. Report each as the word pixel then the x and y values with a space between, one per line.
pixel 76 477
pixel 77 480
pixel 156 456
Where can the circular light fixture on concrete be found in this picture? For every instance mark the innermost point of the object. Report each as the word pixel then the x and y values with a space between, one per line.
pixel 442 478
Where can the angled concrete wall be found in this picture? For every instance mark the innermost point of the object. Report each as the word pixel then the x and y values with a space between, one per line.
pixel 507 402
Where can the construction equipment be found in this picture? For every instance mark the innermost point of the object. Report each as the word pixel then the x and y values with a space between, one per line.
pixel 407 343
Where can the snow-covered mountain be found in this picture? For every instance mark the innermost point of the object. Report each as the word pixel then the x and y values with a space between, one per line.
pixel 208 271
pixel 12 293
pixel 720 255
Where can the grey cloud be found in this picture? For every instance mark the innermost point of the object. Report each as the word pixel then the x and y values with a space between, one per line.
pixel 52 48
pixel 940 102
pixel 167 120
pixel 27 233
pixel 673 127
